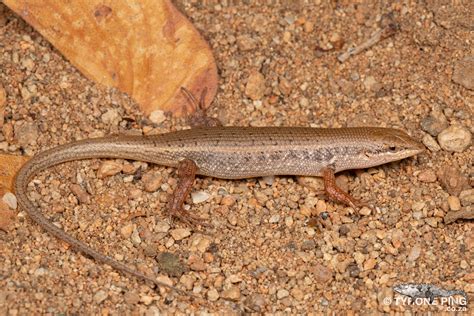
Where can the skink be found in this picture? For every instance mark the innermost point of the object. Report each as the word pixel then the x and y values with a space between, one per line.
pixel 228 153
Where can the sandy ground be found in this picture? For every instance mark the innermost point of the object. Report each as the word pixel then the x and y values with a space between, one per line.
pixel 279 66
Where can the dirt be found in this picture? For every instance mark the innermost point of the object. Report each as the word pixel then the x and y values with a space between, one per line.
pixel 278 65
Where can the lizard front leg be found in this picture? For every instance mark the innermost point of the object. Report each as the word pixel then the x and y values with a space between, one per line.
pixel 336 193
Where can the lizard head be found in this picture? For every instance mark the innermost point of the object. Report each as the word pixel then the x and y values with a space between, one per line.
pixel 390 144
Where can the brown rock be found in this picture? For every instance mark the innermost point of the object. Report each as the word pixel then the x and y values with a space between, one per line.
pixel 232 293
pixel 452 180
pixel 464 73
pixel 428 176
pixel 7 130
pixel 25 133
pixel 434 123
pixel 151 181
pixel 369 264
pixel 284 86
pixel 131 298
pixel 455 138
pixel 246 43
pixel 127 230
pixel 255 87
pixel 321 273
pixel 196 263
pixel 109 168
pixel 82 196
pixel 308 26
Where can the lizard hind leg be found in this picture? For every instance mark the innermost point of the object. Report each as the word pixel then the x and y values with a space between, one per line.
pixel 199 118
pixel 187 173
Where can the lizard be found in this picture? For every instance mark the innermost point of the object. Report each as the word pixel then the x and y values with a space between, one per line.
pixel 229 153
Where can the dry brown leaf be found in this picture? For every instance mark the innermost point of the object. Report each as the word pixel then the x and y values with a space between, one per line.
pixel 147 49
pixel 9 166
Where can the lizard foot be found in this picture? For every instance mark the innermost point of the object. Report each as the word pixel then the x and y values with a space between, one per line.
pixel 199 118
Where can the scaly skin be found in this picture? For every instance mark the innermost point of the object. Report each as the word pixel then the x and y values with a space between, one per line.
pixel 229 153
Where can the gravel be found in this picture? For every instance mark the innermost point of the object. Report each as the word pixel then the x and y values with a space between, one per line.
pixel 277 245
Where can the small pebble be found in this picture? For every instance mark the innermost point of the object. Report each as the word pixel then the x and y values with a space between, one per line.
pixel 228 200
pixel 297 293
pixel 415 252
pixel 452 180
pixel 10 200
pixel 255 87
pixel 180 233
pixel 81 194
pixel 151 181
pixel 464 72
pixel 369 264
pixel 111 117
pixel 269 180
pixel 255 302
pixel 455 138
pixel 232 293
pixel 308 27
pixel 146 299
pixel 135 238
pixel 157 117
pixel 284 86
pixel 321 274
pixel 454 203
pixel 430 143
pixel 199 197
pixel 26 133
pixel 370 83
pixel 162 227
pixel 467 197
pixel 274 219
pixel 434 123
pixel 418 206
pixel 246 43
pixel 127 230
pixel 282 293
pixel 365 211
pixel 212 295
pixel 153 311
pixel 428 176
pixel 109 168
pixel 170 264
pixel 200 243
pixel 196 263
pixel 188 281
pixel 100 296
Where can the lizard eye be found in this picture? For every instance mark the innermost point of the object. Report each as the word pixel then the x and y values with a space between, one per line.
pixel 391 148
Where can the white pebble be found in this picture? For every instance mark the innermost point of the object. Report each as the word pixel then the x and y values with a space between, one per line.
pixel 157 116
pixel 282 293
pixel 180 233
pixel 430 143
pixel 455 138
pixel 199 197
pixel 274 219
pixel 10 199
pixel 100 296
pixel 111 117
